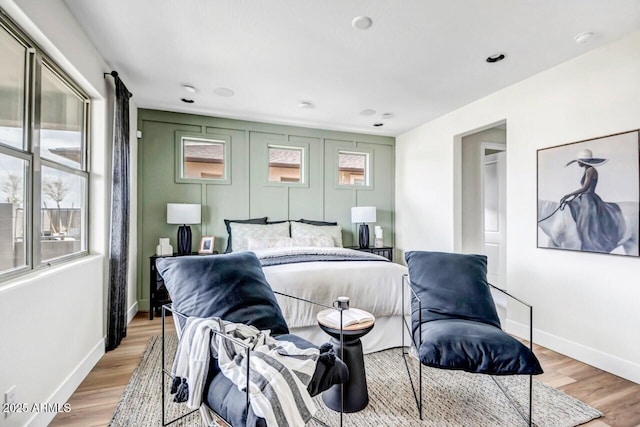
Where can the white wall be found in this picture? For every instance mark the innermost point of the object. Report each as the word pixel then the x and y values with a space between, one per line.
pixel 52 323
pixel 585 304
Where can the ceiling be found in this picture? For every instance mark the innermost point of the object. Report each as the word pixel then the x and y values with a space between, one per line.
pixel 419 60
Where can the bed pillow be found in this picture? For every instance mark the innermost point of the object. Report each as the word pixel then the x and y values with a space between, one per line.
pixel 272 242
pixel 241 233
pixel 317 242
pixel 227 224
pixel 230 286
pixel 302 230
pixel 313 222
pixel 288 242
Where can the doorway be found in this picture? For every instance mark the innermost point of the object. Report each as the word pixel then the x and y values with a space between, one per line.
pixel 482 208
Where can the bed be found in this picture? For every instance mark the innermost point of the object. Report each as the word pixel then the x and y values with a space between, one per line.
pixel 322 274
pixel 305 258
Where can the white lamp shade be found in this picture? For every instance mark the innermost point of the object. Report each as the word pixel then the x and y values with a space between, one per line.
pixel 183 213
pixel 363 214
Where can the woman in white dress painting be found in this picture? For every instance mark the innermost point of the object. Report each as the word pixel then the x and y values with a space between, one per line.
pixel 600 225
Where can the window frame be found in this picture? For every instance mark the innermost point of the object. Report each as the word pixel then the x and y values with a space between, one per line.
pixel 369 153
pixel 216 138
pixel 35 59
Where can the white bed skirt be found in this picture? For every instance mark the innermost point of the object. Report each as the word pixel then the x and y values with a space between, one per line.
pixel 385 334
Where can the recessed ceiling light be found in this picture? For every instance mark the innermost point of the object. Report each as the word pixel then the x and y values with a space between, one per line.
pixel 367 112
pixel 378 124
pixel 361 22
pixel 187 100
pixel 496 57
pixel 305 104
pixel 223 91
pixel 583 38
pixel 189 88
pixel 387 115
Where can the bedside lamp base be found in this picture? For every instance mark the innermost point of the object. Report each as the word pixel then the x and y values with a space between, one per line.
pixel 363 238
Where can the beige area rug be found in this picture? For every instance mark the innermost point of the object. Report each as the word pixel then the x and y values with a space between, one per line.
pixel 450 398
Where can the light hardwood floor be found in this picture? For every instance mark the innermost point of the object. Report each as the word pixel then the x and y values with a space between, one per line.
pixel 95 400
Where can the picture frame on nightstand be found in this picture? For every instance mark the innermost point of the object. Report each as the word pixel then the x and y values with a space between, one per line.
pixel 206 245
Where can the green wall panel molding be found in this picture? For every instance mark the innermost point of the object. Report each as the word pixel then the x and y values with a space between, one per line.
pixel 248 193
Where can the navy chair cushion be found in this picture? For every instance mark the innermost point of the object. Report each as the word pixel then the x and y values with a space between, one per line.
pixel 230 286
pixel 223 396
pixel 474 347
pixel 451 286
pixel 460 325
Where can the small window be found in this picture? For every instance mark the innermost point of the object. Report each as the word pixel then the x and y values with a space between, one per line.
pixel 353 168
pixel 286 164
pixel 202 158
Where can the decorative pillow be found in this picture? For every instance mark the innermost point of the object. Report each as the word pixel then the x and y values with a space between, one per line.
pixel 299 229
pixel 273 242
pixel 242 232
pixel 287 242
pixel 313 222
pixel 320 241
pixel 227 223
pixel 230 286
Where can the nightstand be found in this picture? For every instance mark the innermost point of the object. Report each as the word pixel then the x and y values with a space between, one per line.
pixel 158 294
pixel 385 251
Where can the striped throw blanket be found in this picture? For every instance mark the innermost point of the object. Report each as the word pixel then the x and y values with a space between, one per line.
pixel 279 371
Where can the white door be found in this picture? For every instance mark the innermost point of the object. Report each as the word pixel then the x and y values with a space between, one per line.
pixel 494 189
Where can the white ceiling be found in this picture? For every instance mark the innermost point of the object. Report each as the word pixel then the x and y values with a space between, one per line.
pixel 419 60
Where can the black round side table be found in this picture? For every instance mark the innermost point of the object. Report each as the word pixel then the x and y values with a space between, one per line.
pixel 356 396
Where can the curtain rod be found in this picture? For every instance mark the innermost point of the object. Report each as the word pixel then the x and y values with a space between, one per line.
pixel 113 74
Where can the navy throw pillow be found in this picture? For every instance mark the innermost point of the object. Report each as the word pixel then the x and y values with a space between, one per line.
pixel 314 222
pixel 451 286
pixel 230 286
pixel 227 224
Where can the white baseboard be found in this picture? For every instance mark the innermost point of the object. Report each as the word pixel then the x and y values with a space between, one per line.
pixel 591 356
pixel 69 385
pixel 133 310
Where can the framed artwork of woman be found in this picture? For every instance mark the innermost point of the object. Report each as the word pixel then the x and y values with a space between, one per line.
pixel 589 195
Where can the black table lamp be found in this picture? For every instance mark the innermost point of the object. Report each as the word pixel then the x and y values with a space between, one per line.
pixel 184 214
pixel 363 214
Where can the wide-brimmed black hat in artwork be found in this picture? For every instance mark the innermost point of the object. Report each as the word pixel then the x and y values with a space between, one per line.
pixel 585 157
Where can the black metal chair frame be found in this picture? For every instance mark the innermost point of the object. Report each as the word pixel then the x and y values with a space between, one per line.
pixel 418 395
pixel 168 308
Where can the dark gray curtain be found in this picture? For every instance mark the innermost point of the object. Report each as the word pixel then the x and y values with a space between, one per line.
pixel 119 248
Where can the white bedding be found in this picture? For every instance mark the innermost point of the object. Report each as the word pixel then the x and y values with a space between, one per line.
pixel 374 286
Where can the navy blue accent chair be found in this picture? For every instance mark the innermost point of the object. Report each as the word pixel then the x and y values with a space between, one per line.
pixel 454 322
pixel 233 287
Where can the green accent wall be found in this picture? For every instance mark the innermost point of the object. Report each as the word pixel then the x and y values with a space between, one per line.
pixel 248 194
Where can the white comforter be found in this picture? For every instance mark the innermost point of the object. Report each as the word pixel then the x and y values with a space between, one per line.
pixel 374 286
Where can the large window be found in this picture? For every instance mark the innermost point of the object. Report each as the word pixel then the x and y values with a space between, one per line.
pixel 43 159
